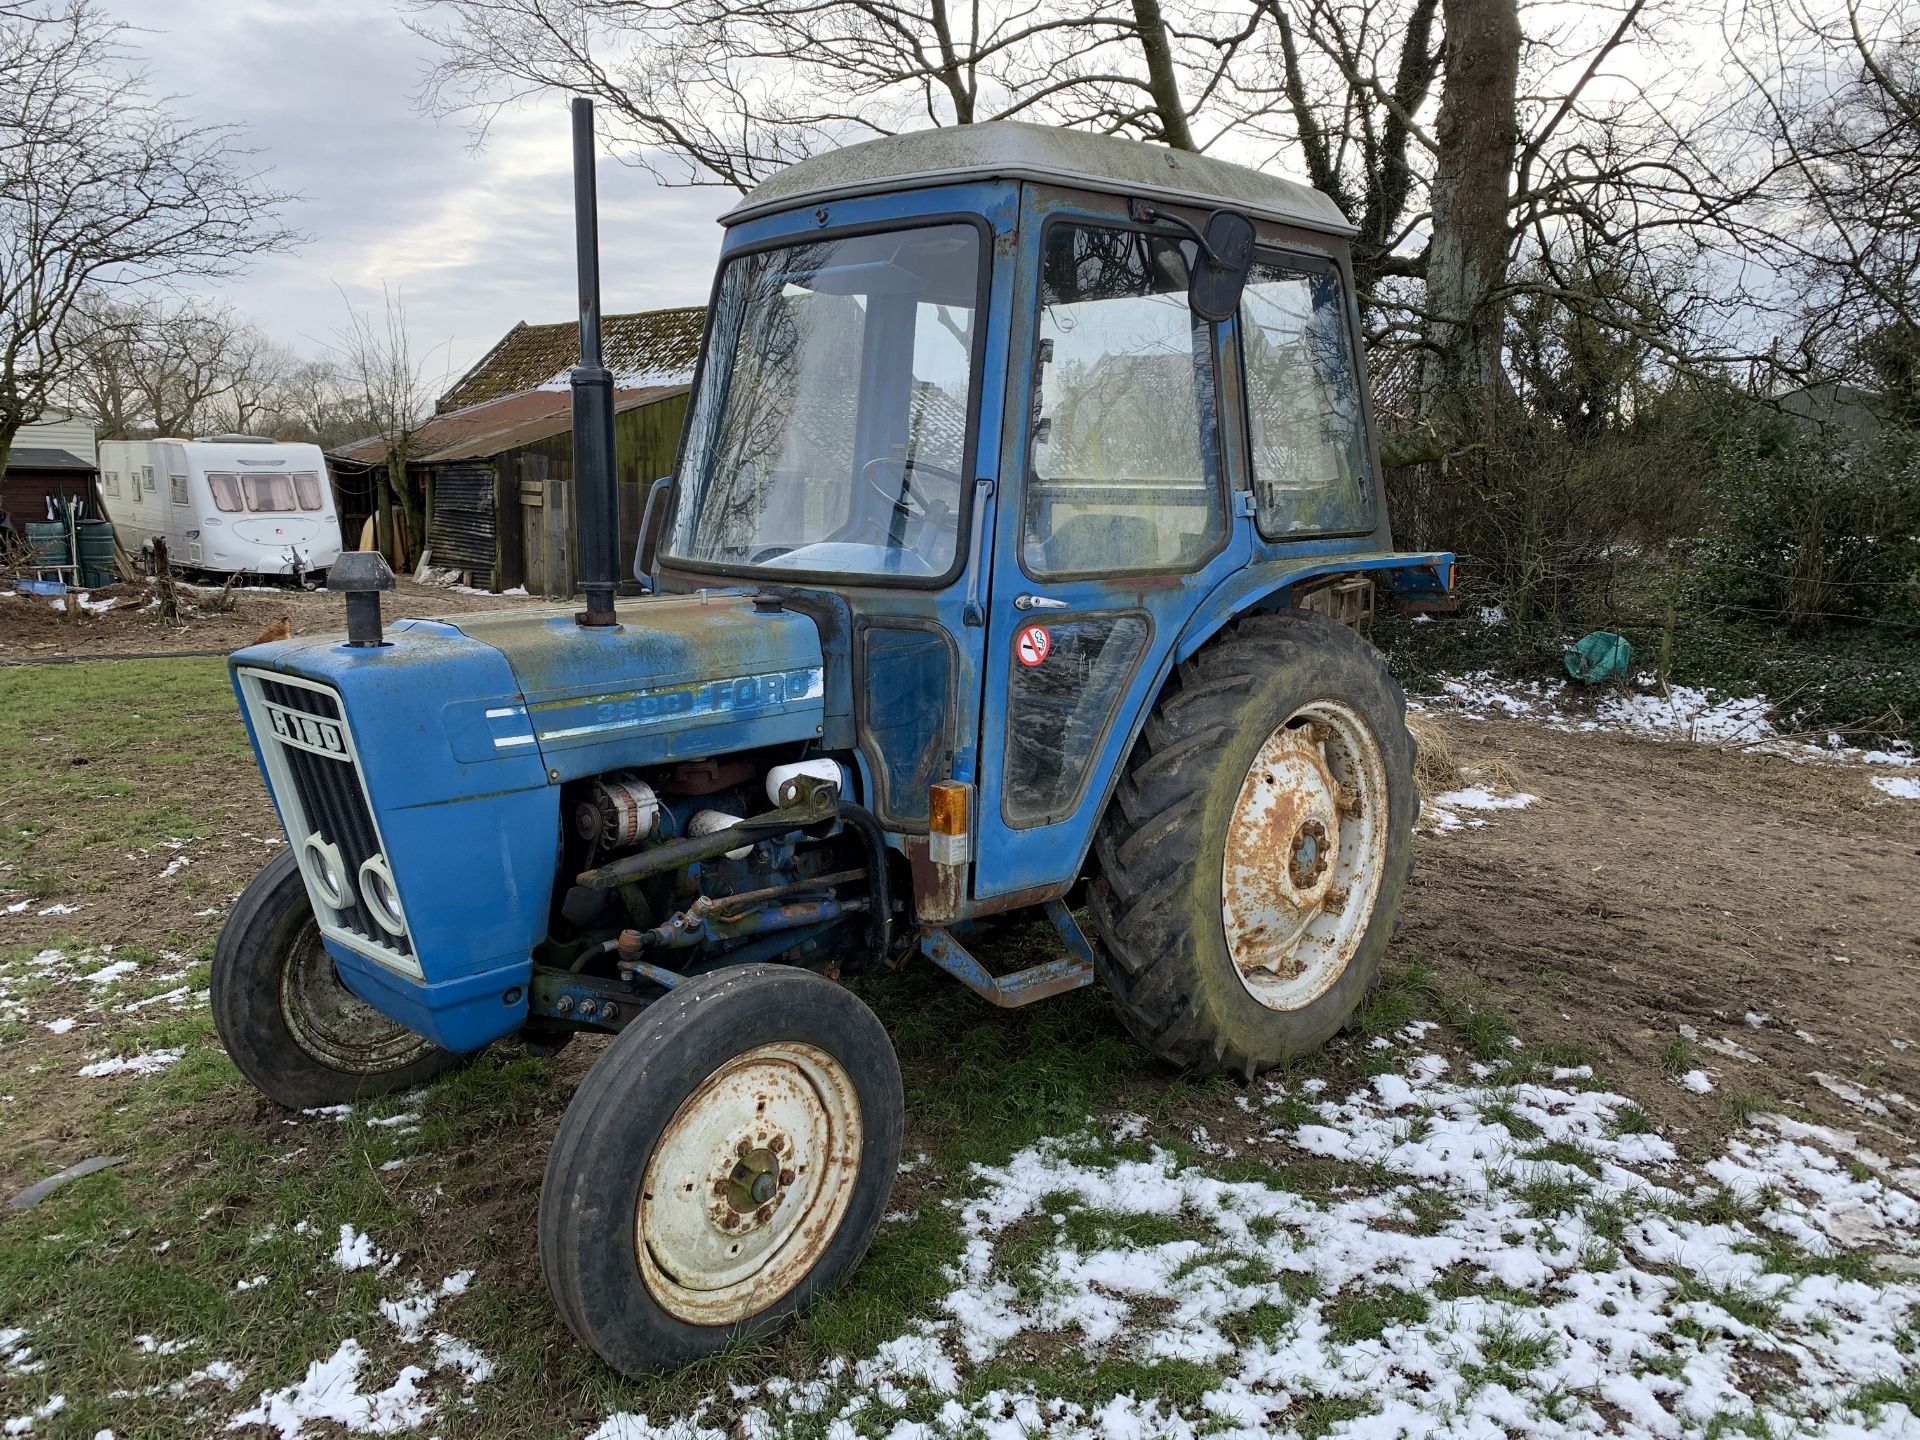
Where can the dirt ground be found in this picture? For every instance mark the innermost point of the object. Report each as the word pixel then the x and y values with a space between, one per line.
pixel 32 629
pixel 1769 907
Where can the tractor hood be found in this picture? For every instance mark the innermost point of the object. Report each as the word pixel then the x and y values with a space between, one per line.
pixel 678 676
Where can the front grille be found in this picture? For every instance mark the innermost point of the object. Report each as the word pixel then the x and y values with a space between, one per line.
pixel 331 801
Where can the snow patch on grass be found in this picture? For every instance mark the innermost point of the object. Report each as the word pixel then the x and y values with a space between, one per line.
pixel 356 1250
pixel 1486 1259
pixel 142 1064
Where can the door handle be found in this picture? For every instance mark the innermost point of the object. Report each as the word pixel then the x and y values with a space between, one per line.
pixel 1038 602
pixel 971 612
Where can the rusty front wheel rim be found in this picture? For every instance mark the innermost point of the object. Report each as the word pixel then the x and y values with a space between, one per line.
pixel 748 1184
pixel 1305 854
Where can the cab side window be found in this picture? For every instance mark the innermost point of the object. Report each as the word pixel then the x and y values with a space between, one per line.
pixel 1305 428
pixel 1124 469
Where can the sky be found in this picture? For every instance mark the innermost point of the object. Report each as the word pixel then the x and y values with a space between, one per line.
pixel 472 241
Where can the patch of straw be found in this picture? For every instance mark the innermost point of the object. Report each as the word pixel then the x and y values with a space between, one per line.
pixel 1435 771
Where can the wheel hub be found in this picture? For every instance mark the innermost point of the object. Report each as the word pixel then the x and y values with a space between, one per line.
pixel 1305 847
pixel 748 1184
pixel 1310 855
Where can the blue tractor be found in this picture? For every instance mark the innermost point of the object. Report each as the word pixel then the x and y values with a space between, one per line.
pixel 1026 478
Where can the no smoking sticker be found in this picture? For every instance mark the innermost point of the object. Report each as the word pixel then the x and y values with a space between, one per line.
pixel 1032 644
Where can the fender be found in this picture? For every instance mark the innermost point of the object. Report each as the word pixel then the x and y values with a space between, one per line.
pixel 1418 580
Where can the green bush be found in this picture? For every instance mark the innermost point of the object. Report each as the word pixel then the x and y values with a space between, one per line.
pixel 1811 525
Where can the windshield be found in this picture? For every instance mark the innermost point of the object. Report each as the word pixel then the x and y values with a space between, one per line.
pixel 829 432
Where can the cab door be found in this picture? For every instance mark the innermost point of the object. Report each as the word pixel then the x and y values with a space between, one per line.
pixel 1112 523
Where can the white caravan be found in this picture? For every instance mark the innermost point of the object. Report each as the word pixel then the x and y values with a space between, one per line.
pixel 229 504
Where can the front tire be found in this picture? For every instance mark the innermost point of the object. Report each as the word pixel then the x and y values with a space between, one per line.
pixel 285 1019
pixel 1250 866
pixel 728 1159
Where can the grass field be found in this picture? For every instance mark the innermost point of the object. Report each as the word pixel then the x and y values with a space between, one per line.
pixel 1435 1227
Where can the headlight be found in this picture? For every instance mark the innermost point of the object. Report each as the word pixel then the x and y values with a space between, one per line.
pixel 327 871
pixel 382 899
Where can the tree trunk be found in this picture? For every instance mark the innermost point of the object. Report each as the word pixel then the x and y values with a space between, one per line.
pixel 383 516
pixel 1477 132
pixel 413 515
pixel 163 582
pixel 1163 83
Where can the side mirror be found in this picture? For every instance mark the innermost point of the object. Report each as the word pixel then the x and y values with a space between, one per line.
pixel 1226 254
pixel 653 519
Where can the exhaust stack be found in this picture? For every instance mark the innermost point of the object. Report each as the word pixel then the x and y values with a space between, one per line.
pixel 596 504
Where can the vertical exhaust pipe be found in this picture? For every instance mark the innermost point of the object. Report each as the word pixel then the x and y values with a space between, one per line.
pixel 596 503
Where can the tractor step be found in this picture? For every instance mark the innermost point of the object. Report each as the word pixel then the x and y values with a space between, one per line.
pixel 1023 987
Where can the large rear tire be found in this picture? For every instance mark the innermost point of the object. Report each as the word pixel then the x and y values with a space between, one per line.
pixel 727 1159
pixel 285 1019
pixel 1250 866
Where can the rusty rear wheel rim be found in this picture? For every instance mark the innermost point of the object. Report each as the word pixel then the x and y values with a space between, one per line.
pixel 748 1184
pixel 1305 854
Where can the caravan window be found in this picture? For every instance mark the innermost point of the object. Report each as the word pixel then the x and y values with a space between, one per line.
pixel 148 470
pixel 306 485
pixel 178 485
pixel 226 491
pixel 268 492
pixel 113 482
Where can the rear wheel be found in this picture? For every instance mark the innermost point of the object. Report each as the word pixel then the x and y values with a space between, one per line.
pixel 728 1158
pixel 1251 864
pixel 285 1019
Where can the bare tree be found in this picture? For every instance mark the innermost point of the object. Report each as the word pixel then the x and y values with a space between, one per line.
pixel 102 188
pixel 314 403
pixel 102 383
pixel 390 387
pixel 258 369
pixel 184 360
pixel 729 91
pixel 1482 153
pixel 1839 100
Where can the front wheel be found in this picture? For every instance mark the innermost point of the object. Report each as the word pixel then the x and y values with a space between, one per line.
pixel 1251 864
pixel 728 1158
pixel 285 1019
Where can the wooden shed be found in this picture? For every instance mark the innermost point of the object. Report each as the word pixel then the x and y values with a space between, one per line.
pixel 496 457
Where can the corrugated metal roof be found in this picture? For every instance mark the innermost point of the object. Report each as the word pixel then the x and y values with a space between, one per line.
pixel 33 457
pixel 1013 150
pixel 496 426
pixel 648 348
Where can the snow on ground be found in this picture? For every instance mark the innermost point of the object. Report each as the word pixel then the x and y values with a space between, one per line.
pixel 356 1251
pixel 143 1064
pixel 1463 1255
pixel 1901 787
pixel 1442 812
pixel 1683 713
pixel 1521 1259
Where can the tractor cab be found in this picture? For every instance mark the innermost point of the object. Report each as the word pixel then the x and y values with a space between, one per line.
pixel 959 388
pixel 1027 480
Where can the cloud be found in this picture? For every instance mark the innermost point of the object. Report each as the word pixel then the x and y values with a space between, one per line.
pixel 473 241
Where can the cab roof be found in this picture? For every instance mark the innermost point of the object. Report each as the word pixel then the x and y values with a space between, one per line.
pixel 1012 150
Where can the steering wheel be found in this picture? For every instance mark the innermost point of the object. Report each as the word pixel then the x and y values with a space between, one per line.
pixel 916 506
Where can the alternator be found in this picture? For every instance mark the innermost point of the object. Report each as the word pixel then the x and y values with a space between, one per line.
pixel 617 812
